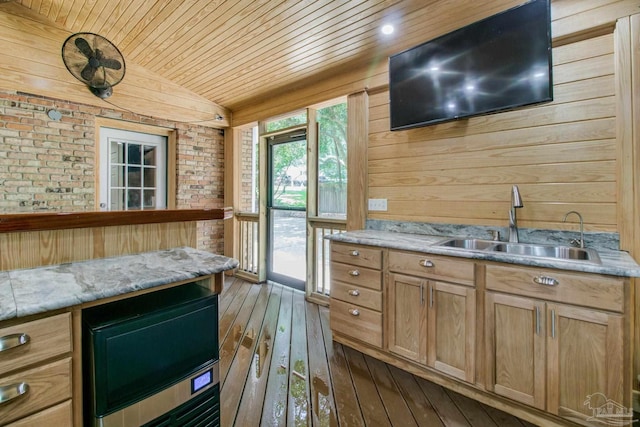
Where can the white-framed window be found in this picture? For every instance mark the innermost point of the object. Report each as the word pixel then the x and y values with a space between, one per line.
pixel 133 170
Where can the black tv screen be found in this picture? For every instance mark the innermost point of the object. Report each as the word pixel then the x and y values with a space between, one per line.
pixel 499 63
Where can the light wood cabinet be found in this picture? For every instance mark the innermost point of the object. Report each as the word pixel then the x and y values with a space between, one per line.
pixel 356 293
pixel 48 337
pixel 59 415
pixel 362 256
pixel 525 337
pixel 432 321
pixel 581 289
pixel 452 330
pixel 552 355
pixel 407 317
pixel 356 322
pixel 584 357
pixel 37 370
pixel 433 267
pixel 515 345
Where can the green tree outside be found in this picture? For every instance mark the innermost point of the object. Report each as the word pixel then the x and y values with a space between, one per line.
pixel 332 157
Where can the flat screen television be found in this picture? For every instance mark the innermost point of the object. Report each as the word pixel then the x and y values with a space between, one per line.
pixel 499 63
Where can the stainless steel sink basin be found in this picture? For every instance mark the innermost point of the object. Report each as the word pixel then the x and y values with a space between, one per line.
pixel 547 251
pixel 469 244
pixel 566 253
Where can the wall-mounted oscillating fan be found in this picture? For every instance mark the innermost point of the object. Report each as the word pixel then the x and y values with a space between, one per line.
pixel 95 61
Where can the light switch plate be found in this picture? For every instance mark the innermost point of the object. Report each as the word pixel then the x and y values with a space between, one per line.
pixel 377 204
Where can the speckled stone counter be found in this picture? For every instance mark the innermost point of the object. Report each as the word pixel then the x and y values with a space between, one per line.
pixel 615 263
pixel 37 290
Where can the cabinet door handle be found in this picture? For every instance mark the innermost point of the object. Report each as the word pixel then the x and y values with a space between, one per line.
pixel 553 323
pixel 354 273
pixel 546 280
pixel 355 253
pixel 537 320
pixel 426 263
pixel 421 294
pixel 8 342
pixel 354 312
pixel 11 392
pixel 354 292
pixel 431 296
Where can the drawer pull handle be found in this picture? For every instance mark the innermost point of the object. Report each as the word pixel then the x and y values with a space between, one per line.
pixel 354 312
pixel 8 342
pixel 354 273
pixel 11 392
pixel 426 263
pixel 546 280
pixel 355 253
pixel 354 292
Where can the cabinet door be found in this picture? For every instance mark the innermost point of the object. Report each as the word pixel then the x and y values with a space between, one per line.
pixel 584 361
pixel 451 320
pixel 407 316
pixel 515 348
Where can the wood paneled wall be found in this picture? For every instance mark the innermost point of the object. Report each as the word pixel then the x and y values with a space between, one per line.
pixel 40 248
pixel 426 20
pixel 561 154
pixel 30 61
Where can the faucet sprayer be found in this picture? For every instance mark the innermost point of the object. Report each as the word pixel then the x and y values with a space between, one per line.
pixel 516 202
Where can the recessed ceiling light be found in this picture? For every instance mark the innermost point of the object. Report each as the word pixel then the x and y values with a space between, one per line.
pixel 387 29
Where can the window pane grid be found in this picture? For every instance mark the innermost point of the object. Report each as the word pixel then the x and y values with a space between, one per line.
pixel 133 176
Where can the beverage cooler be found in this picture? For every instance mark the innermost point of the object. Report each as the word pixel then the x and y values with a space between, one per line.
pixel 152 360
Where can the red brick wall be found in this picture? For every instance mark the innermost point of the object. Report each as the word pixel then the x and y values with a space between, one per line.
pixel 48 165
pixel 200 180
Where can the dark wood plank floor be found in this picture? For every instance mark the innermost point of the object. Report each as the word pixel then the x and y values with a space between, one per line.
pixel 279 367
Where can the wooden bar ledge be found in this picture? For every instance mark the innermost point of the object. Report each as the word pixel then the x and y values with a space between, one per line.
pixel 64 220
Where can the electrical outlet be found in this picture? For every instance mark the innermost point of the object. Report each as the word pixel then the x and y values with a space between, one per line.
pixel 377 204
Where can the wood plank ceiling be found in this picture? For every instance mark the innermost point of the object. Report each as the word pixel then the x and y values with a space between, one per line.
pixel 235 53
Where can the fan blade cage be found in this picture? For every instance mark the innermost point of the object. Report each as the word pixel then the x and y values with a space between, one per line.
pixel 93 60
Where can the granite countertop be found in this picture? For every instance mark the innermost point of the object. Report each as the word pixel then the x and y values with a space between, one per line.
pixel 615 263
pixel 37 290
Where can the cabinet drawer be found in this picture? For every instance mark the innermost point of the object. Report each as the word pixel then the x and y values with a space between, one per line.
pixel 432 266
pixel 357 322
pixel 60 415
pixel 590 290
pixel 48 385
pixel 359 295
pixel 48 337
pixel 359 276
pixel 362 256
